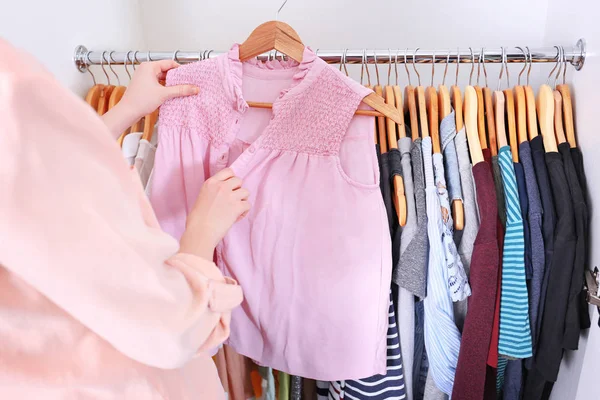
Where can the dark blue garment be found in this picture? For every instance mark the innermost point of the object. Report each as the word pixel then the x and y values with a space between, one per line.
pixel 524 200
pixel 548 220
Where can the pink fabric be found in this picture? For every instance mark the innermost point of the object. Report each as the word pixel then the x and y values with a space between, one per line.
pixel 314 254
pixel 95 302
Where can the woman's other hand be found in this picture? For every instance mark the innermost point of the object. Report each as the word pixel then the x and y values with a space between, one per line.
pixel 222 201
pixel 144 95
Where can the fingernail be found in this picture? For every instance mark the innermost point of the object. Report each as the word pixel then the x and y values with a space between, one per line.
pixel 196 90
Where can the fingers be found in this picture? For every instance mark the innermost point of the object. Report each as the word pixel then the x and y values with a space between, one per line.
pixel 223 174
pixel 233 183
pixel 241 194
pixel 164 65
pixel 179 91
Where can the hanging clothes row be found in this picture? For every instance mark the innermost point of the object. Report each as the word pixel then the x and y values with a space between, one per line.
pixel 417 268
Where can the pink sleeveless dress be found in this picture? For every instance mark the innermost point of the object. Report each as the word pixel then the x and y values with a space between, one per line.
pixel 313 255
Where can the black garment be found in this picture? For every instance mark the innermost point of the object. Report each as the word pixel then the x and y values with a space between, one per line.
pixel 576 315
pixel 578 162
pixel 550 349
pixel 577 158
pixel 548 222
pixel 524 201
pixel 393 168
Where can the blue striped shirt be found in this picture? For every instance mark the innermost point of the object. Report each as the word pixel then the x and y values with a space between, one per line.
pixel 390 386
pixel 442 338
pixel 515 332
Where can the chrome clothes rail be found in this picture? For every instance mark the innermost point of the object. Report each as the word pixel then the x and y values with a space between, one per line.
pixel 573 54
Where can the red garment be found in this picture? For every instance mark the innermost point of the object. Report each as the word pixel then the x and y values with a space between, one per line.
pixel 493 351
pixel 470 378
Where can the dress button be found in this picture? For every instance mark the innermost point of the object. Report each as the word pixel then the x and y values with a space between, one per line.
pixel 251 149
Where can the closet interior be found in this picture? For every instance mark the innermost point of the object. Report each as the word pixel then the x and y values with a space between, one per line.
pixel 406 242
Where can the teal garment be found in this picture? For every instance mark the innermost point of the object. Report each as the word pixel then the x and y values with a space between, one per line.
pixel 515 332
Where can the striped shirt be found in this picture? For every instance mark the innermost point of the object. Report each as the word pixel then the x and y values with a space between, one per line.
pixel 442 338
pixel 390 386
pixel 515 332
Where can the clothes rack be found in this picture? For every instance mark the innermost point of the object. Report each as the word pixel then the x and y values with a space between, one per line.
pixel 574 54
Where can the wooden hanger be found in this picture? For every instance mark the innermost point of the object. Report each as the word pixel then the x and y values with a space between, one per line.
pixel 558 120
pixel 545 108
pixel 521 111
pixel 93 96
pixel 382 140
pixel 277 35
pixel 512 128
pixel 565 93
pixel 411 105
pixel 149 122
pixel 433 121
pixel 445 109
pixel 397 181
pixel 481 117
pixel 470 113
pixel 116 96
pixel 399 106
pixel 500 128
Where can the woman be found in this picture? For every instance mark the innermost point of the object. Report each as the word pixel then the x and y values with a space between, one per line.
pixel 96 302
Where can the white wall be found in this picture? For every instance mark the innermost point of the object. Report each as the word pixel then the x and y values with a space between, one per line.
pixel 338 24
pixel 578 378
pixel 51 29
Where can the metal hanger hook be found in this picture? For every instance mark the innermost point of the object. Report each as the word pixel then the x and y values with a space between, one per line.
pixel 472 65
pixel 457 66
pixel 390 67
pixel 414 66
pixel 530 63
pixel 279 10
pixel 362 66
pixel 175 55
pixel 125 65
pixel 406 67
pixel 555 65
pixel 446 68
pixel 524 65
pixel 104 69
pixel 376 67
pixel 560 50
pixel 565 63
pixel 110 58
pixel 432 67
pixel 483 62
pixel 87 55
pixel 478 67
pixel 505 60
pixel 396 65
pixel 501 70
pixel 135 60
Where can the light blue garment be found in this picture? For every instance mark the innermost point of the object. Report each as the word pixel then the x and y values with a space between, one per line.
pixel 515 332
pixel 442 338
pixel 447 135
pixel 458 283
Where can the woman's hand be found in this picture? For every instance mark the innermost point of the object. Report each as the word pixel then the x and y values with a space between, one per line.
pixel 144 95
pixel 221 202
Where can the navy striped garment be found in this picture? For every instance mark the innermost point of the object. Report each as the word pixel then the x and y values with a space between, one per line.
pixel 390 386
pixel 515 332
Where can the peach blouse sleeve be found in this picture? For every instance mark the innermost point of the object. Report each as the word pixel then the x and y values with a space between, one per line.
pixel 76 226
